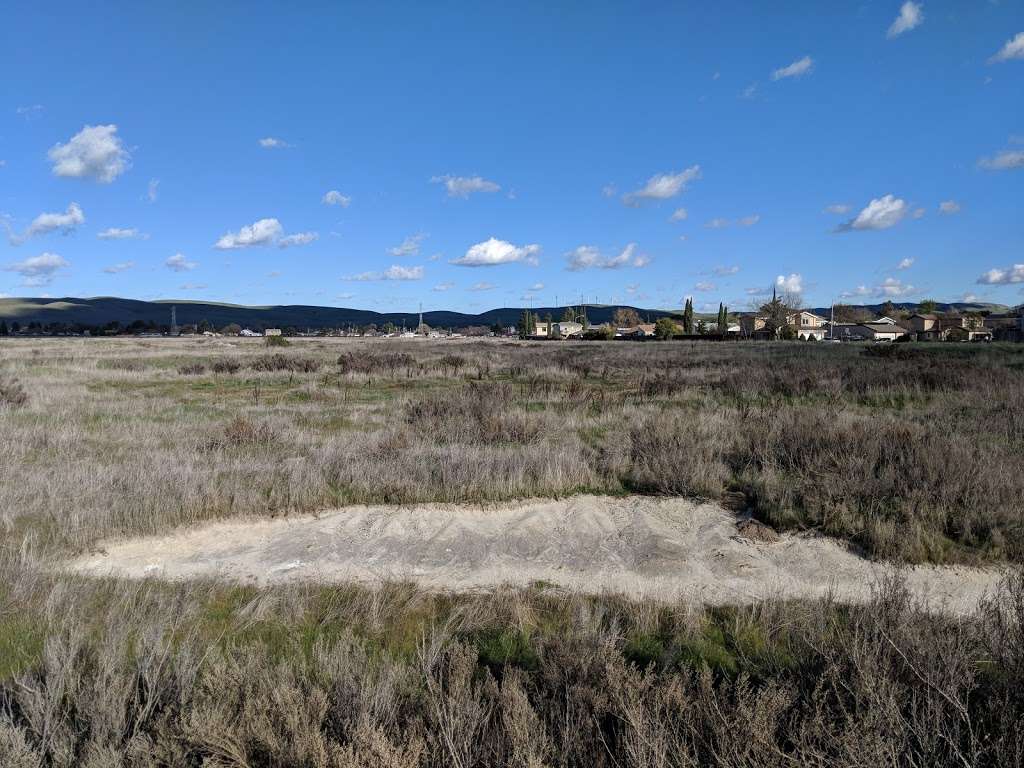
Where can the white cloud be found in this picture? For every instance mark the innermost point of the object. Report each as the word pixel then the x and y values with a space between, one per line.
pixel 299 238
pixel 679 214
pixel 892 288
pixel 482 287
pixel 662 186
pixel 272 143
pixel 410 246
pixel 49 222
pixel 394 272
pixel 536 287
pixel 798 68
pixel 704 286
pixel 749 221
pixel 910 16
pixel 725 271
pixel 837 208
pixel 1007 160
pixel 117 233
pixel 345 296
pixel 494 252
pixel 262 232
pixel 38 270
pixel 717 223
pixel 880 213
pixel 464 186
pixel 906 263
pixel 152 190
pixel 918 213
pixel 1014 49
pixel 949 207
pixel 442 287
pixel 1010 275
pixel 608 190
pixel 192 287
pixel 114 269
pixel 178 263
pixel 590 257
pixel 749 91
pixel 794 283
pixel 95 152
pixel 29 112
pixel 334 197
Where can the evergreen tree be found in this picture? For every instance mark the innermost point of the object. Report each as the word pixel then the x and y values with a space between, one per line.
pixel 3 328
pixel 688 317
pixel 723 320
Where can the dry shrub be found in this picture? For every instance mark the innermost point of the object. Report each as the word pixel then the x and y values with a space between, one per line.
pixel 12 393
pixel 226 365
pixel 678 455
pixel 384 363
pixel 192 369
pixel 245 432
pixel 279 362
pixel 473 414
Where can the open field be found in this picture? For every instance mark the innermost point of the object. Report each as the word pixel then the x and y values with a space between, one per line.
pixel 907 454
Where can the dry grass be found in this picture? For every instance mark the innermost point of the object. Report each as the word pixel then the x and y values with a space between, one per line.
pixel 915 455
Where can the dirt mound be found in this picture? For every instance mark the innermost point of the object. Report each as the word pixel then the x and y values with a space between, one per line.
pixel 666 548
pixel 754 530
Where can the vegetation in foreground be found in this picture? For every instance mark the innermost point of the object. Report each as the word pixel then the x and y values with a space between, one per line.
pixel 913 454
pixel 203 675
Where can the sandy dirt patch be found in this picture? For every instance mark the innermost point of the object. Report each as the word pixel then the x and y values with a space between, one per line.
pixel 665 548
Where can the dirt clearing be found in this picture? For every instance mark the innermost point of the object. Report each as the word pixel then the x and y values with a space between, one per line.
pixel 637 545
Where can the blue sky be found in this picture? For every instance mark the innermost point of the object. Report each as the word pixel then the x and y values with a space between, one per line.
pixel 469 156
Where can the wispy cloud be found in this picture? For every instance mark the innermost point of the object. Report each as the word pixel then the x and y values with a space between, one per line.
pixel 299 238
pixel 949 207
pixel 30 111
pixel 881 213
pixel 493 252
pixel 482 287
pixel 749 221
pixel 66 223
pixel 890 288
pixel 394 272
pixel 117 233
pixel 95 152
pixel 662 186
pixel 334 197
pixel 410 246
pixel 590 257
pixel 838 208
pixel 274 143
pixel 911 15
pixel 114 269
pixel 906 263
pixel 798 68
pixel 1014 49
pixel 705 286
pixel 178 263
pixel 718 223
pixel 464 186
pixel 38 270
pixel 192 287
pixel 679 214
pixel 1007 160
pixel 725 271
pixel 153 190
pixel 442 287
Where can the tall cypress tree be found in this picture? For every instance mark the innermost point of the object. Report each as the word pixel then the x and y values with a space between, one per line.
pixel 722 321
pixel 688 317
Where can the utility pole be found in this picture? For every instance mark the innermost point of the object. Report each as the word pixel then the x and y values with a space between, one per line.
pixel 174 320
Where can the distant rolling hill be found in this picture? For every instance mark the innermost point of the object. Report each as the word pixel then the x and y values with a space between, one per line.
pixel 102 310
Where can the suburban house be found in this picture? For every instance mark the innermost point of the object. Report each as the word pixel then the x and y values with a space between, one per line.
pixel 931 327
pixel 567 329
pixel 873 331
pixel 637 331
pixel 272 332
pixel 542 329
pixel 808 326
